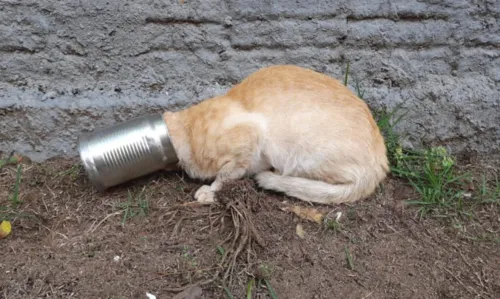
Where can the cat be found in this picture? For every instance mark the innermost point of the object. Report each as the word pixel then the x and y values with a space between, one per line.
pixel 295 130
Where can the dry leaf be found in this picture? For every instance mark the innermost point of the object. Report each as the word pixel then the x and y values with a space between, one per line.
pixel 306 213
pixel 299 230
pixel 5 229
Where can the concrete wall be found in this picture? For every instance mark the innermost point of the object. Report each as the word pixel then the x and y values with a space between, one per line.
pixel 70 66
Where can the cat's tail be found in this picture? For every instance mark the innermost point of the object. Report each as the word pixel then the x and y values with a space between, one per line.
pixel 317 191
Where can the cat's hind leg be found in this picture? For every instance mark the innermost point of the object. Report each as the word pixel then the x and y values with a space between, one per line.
pixel 313 190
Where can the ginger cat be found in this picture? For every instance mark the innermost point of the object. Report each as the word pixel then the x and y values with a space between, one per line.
pixel 297 131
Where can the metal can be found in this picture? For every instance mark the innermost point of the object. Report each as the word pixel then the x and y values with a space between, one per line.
pixel 126 151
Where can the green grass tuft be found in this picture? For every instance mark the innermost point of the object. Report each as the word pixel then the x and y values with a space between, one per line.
pixel 10 211
pixel 489 193
pixel 387 122
pixel 8 161
pixel 432 172
pixel 333 225
pixel 72 172
pixel 136 206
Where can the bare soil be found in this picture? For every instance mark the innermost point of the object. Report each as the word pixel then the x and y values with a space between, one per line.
pixel 70 241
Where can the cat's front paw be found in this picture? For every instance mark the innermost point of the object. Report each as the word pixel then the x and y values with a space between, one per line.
pixel 205 195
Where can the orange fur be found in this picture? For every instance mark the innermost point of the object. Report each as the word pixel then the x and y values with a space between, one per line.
pixel 320 139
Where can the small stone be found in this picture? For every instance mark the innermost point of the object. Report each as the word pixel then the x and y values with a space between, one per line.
pixel 50 95
pixel 228 21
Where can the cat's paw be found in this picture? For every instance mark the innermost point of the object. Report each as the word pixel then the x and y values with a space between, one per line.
pixel 205 195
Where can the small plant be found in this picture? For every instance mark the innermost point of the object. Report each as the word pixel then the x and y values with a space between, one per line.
pixel 190 263
pixel 8 161
pixel 14 197
pixel 333 225
pixel 489 194
pixel 264 271
pixel 14 159
pixel 136 206
pixel 5 213
pixel 188 255
pixel 272 293
pixel 72 172
pixel 220 250
pixel 9 211
pixel 262 276
pixel 359 91
pixel 228 292
pixel 488 237
pixel 432 173
pixel 349 259
pixel 386 122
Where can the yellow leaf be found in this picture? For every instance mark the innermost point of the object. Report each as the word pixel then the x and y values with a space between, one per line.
pixel 306 213
pixel 299 230
pixel 5 229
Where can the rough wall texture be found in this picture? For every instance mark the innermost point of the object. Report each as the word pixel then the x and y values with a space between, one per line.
pixel 70 66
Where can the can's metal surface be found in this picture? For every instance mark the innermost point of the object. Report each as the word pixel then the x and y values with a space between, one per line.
pixel 126 151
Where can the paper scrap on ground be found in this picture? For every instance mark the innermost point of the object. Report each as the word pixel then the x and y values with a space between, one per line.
pixel 299 230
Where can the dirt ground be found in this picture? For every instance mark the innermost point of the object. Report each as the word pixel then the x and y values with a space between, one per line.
pixel 70 241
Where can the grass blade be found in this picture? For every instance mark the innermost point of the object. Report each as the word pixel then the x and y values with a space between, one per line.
pixel 249 288
pixel 346 74
pixel 270 289
pixel 127 207
pixel 15 197
pixel 348 257
pixel 419 202
pixel 220 250
pixel 228 292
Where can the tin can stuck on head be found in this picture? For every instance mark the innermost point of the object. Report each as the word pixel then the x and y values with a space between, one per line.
pixel 126 151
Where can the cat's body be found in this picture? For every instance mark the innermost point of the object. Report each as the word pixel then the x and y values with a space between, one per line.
pixel 317 136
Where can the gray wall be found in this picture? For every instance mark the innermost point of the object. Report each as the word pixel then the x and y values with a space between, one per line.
pixel 70 66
